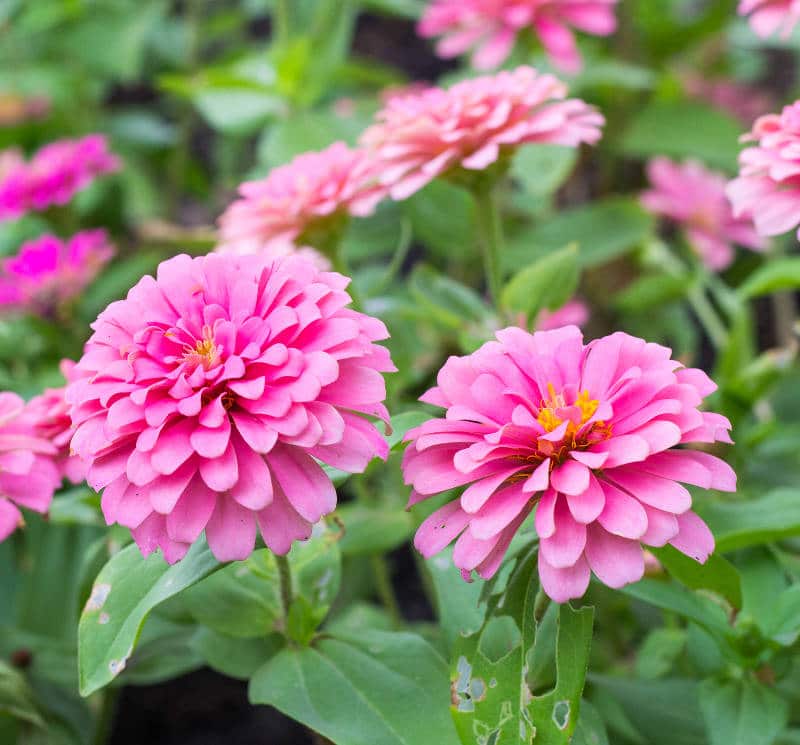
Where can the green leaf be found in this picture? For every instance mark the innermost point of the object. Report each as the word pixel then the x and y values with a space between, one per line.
pixel 544 168
pixel 651 291
pixel 717 574
pixel 445 300
pixel 742 712
pixel 775 275
pixel 443 218
pixel 659 651
pixel 373 688
pixel 236 658
pixel 237 111
pixel 373 530
pixel 547 283
pixel 591 729
pixel 16 697
pixel 124 593
pixel 684 130
pixel 603 230
pixel 739 524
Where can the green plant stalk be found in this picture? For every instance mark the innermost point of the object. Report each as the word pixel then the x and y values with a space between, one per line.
pixel 285 577
pixel 708 317
pixel 105 716
pixel 490 237
pixel 383 586
pixel 784 310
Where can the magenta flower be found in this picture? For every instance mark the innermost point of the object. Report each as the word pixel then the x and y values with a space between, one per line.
pixel 48 272
pixel 768 186
pixel 204 400
pixel 302 197
pixel 586 434
pixel 48 413
pixel 491 27
pixel 694 198
pixel 473 124
pixel 28 474
pixel 53 175
pixel 770 16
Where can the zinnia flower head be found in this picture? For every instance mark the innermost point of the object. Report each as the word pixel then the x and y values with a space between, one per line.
pixel 694 197
pixel 274 250
pixel 584 433
pixel 53 175
pixel 572 313
pixel 204 400
pixel 768 186
pixel 770 16
pixel 473 124
pixel 28 474
pixel 48 413
pixel 491 27
pixel 48 272
pixel 302 198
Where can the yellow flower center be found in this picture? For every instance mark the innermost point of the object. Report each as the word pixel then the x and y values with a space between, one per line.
pixel 205 352
pixel 554 410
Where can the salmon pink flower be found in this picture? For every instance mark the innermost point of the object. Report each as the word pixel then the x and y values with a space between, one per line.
pixel 48 272
pixel 302 198
pixel 473 124
pixel 770 16
pixel 206 398
pixel 694 198
pixel 584 433
pixel 491 27
pixel 28 474
pixel 768 186
pixel 53 175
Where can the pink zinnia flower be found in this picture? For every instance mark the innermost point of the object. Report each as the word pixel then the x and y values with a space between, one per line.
pixel 745 102
pixel 694 198
pixel 572 313
pixel 28 474
pixel 48 272
pixel 471 125
pixel 769 16
pixel 53 175
pixel 48 413
pixel 302 196
pixel 586 434
pixel 274 250
pixel 768 187
pixel 491 27
pixel 204 400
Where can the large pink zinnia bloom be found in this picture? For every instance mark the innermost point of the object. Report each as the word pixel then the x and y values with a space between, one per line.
pixel 470 125
pixel 768 186
pixel 47 272
pixel 694 197
pixel 204 399
pixel 28 474
pixel 491 27
pixel 53 175
pixel 770 16
pixel 586 434
pixel 299 196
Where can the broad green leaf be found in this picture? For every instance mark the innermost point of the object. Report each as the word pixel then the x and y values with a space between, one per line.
pixel 445 300
pixel 373 688
pixel 739 524
pixel 742 712
pixel 236 658
pixel 547 283
pixel 591 729
pixel 684 130
pixel 651 291
pixel 775 275
pixel 238 111
pixel 16 697
pixel 542 169
pixel 443 218
pixel 717 574
pixel 373 530
pixel 124 593
pixel 658 652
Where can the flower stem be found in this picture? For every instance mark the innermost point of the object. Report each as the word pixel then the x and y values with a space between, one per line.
pixel 105 717
pixel 540 605
pixel 285 575
pixel 383 585
pixel 490 236
pixel 708 317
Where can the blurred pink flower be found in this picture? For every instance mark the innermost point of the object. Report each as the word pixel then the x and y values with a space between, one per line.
pixel 48 272
pixel 48 413
pixel 587 435
pixel 491 27
pixel 53 175
pixel 205 398
pixel 471 125
pixel 694 198
pixel 768 186
pixel 301 195
pixel 274 250
pixel 572 313
pixel 745 102
pixel 28 474
pixel 770 16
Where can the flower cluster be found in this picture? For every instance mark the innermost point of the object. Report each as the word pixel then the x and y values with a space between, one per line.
pixel 492 26
pixel 48 272
pixel 694 198
pixel 204 400
pixel 583 433
pixel 770 16
pixel 768 186
pixel 53 175
pixel 471 125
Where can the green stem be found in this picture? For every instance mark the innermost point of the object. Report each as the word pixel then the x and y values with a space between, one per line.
pixel 105 717
pixel 283 23
pixel 707 316
pixel 540 606
pixel 399 257
pixel 285 575
pixel 784 310
pixel 383 585
pixel 490 236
